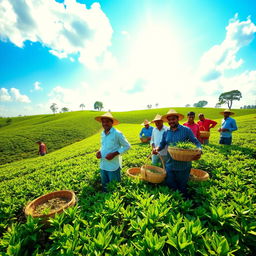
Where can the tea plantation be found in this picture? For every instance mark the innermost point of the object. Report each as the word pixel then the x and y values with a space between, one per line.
pixel 136 217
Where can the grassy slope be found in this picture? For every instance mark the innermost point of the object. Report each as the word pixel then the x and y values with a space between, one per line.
pixel 75 167
pixel 17 140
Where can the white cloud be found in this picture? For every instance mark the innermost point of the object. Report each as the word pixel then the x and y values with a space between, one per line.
pixel 4 95
pixel 68 28
pixel 13 95
pixel 18 97
pixel 37 86
pixel 223 56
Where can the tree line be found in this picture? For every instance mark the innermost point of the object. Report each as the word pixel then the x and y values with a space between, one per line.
pixel 224 98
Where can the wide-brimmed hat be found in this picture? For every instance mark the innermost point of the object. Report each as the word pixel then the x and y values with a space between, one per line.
pixel 227 111
pixel 157 118
pixel 109 116
pixel 145 122
pixel 172 112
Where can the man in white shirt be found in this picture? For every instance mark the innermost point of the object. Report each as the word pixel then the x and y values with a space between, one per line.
pixel 156 139
pixel 113 144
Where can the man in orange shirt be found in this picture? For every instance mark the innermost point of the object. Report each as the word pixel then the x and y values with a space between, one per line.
pixel 205 125
pixel 42 148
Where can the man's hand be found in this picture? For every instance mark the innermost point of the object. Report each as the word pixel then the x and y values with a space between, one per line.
pixel 198 156
pixel 98 154
pixel 155 151
pixel 224 130
pixel 110 156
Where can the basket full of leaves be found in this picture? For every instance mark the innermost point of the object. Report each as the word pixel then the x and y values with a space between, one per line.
pixel 151 173
pixel 50 204
pixel 183 151
pixel 198 175
pixel 144 139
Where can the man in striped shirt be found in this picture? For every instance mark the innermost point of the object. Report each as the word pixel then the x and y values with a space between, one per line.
pixel 177 171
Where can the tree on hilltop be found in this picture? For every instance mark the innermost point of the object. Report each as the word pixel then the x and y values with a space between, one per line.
pixel 98 105
pixel 200 104
pixel 149 106
pixel 82 106
pixel 64 109
pixel 229 97
pixel 54 108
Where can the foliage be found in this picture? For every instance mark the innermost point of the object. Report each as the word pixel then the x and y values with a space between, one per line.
pixel 98 105
pixel 229 97
pixel 184 145
pixel 64 110
pixel 135 218
pixel 200 104
pixel 82 106
pixel 54 108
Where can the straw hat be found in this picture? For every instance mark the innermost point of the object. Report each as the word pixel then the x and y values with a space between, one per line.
pixel 172 112
pixel 145 122
pixel 227 111
pixel 157 118
pixel 109 116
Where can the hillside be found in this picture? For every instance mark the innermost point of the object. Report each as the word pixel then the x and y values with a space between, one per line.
pixel 17 140
pixel 137 218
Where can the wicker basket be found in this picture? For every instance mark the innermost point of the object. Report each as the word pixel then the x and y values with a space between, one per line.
pixel 67 194
pixel 144 139
pixel 185 155
pixel 153 177
pixel 198 175
pixel 134 172
pixel 204 134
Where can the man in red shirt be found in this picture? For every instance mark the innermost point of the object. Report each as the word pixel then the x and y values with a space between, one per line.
pixel 192 125
pixel 205 125
pixel 42 148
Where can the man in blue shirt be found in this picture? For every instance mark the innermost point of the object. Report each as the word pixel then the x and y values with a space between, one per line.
pixel 177 171
pixel 228 125
pixel 113 144
pixel 146 132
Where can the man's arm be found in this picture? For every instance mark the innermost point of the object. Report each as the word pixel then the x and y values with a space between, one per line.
pixel 233 126
pixel 212 124
pixel 193 139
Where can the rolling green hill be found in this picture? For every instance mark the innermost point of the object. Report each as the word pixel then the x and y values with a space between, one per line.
pixel 136 218
pixel 17 140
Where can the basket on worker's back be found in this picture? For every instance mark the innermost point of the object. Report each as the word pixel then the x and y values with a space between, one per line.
pixel 185 155
pixel 153 174
pixel 198 175
pixel 68 197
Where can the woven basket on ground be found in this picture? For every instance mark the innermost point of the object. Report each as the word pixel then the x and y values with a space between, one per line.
pixel 185 155
pixel 134 172
pixel 68 195
pixel 198 175
pixel 157 176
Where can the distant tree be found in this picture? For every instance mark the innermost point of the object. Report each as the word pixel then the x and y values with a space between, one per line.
pixel 82 106
pixel 157 105
pixel 200 104
pixel 54 108
pixel 64 109
pixel 149 106
pixel 187 105
pixel 229 97
pixel 98 105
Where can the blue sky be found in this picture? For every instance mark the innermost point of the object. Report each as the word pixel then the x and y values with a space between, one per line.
pixel 125 53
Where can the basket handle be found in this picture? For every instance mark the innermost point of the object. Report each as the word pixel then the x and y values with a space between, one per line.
pixel 202 127
pixel 159 157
